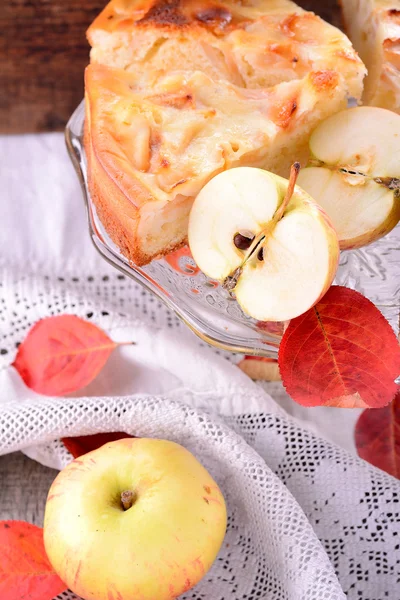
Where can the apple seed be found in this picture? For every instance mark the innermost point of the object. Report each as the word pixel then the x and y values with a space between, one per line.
pixel 391 183
pixel 242 241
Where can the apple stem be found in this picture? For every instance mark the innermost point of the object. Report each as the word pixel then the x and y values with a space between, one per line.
pixel 230 282
pixel 127 499
pixel 392 183
pixel 294 173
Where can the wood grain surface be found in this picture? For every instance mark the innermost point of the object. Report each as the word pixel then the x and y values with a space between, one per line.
pixel 24 485
pixel 327 9
pixel 43 53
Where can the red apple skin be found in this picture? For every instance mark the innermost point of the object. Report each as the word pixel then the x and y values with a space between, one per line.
pixel 157 549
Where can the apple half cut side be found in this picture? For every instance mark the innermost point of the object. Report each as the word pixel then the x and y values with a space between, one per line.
pixel 266 240
pixel 354 173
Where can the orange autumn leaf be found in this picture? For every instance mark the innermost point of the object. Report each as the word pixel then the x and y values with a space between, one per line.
pixel 62 354
pixel 377 437
pixel 342 352
pixel 25 571
pixel 78 446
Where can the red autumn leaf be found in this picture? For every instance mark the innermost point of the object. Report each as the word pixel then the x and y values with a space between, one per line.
pixel 377 437
pixel 260 368
pixel 25 571
pixel 84 444
pixel 340 353
pixel 62 354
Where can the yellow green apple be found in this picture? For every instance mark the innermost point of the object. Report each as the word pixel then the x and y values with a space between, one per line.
pixel 137 519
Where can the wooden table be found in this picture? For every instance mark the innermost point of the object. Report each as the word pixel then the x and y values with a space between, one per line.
pixel 24 485
pixel 43 54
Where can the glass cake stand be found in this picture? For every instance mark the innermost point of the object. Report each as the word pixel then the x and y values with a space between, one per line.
pixel 204 306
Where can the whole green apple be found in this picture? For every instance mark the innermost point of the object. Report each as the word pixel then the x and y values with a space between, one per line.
pixel 137 519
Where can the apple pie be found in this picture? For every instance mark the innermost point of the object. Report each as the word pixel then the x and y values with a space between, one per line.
pixel 252 43
pixel 180 90
pixel 374 28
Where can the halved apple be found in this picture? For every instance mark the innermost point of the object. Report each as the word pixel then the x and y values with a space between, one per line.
pixel 266 240
pixel 354 173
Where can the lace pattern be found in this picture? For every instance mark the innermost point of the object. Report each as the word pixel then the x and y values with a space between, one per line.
pixel 307 520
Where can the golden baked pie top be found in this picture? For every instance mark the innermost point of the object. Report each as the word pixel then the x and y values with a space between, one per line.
pixel 213 15
pixel 252 43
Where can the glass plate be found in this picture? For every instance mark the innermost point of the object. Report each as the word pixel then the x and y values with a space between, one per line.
pixel 208 309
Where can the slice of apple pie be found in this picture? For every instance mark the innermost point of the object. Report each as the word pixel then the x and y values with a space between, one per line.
pixel 374 28
pixel 179 90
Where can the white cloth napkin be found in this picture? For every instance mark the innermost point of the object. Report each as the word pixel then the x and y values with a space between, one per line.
pixel 48 266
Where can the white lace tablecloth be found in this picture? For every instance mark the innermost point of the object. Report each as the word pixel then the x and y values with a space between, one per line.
pixel 308 519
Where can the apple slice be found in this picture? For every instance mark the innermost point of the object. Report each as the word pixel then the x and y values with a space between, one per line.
pixel 266 239
pixel 354 173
